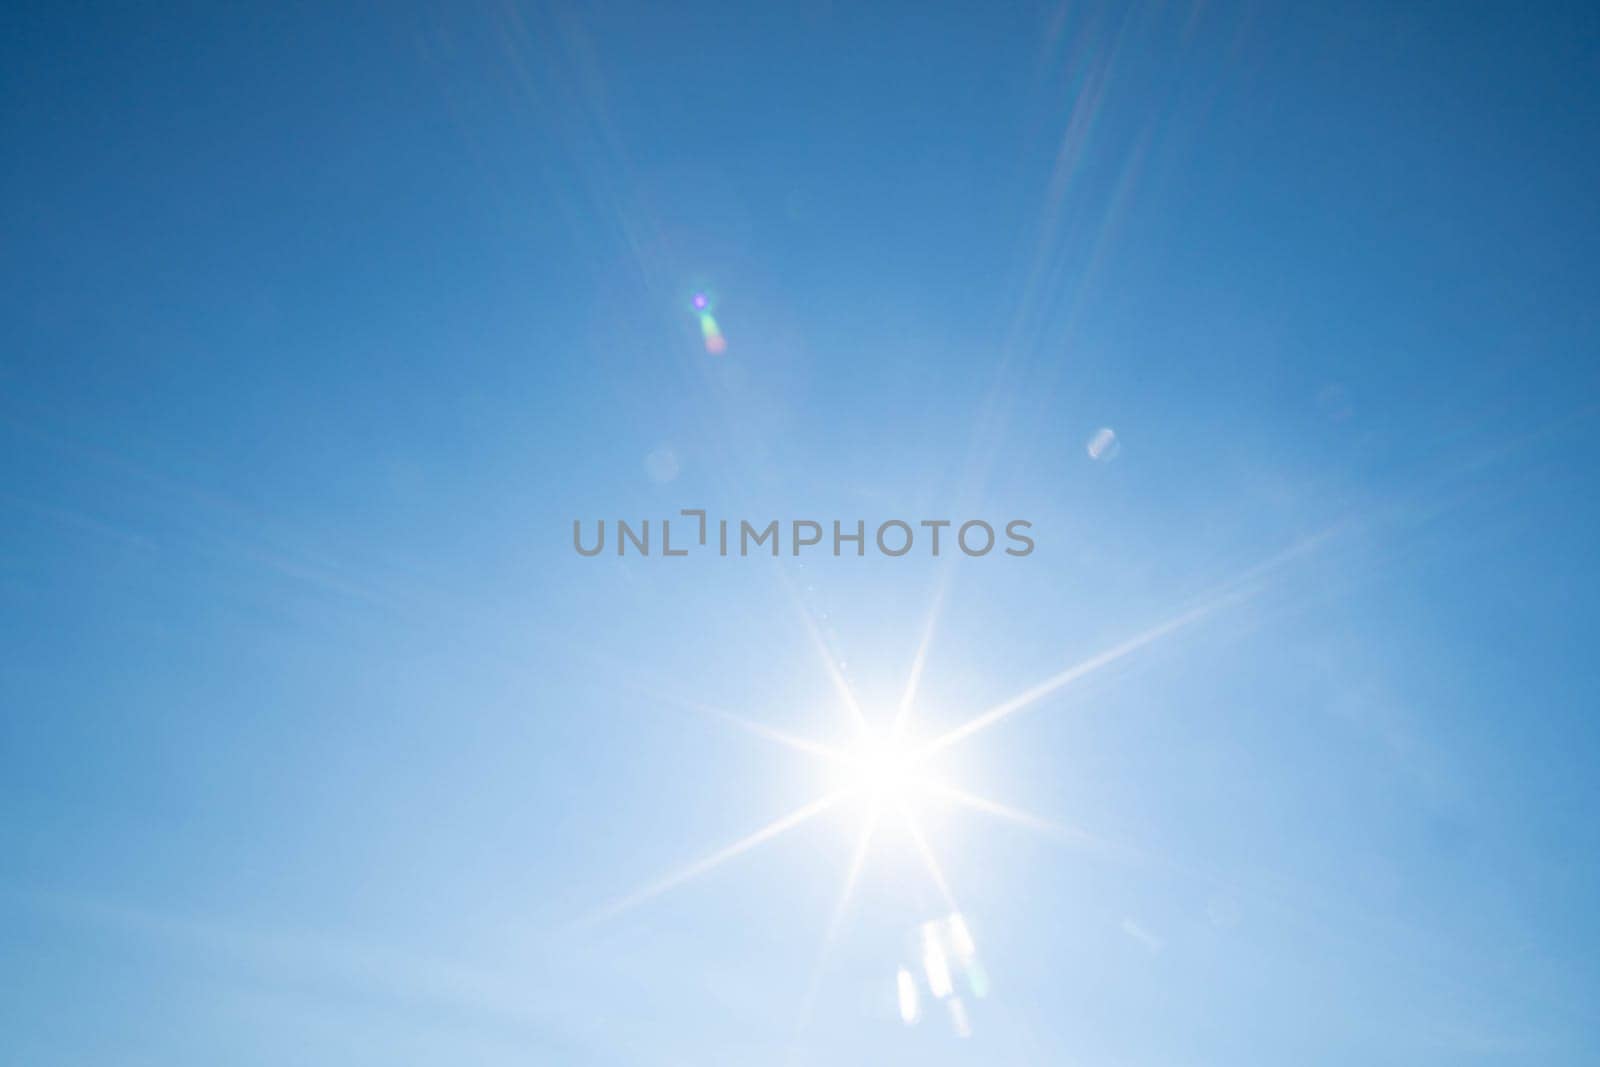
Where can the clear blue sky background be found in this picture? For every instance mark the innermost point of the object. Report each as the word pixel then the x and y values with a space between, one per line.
pixel 320 324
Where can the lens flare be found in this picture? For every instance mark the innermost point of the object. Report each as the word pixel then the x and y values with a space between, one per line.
pixel 1103 447
pixel 935 965
pixel 906 989
pixel 716 344
pixel 961 937
pixel 948 948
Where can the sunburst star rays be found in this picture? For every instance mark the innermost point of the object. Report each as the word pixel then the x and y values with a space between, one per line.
pixel 858 860
pixel 687 874
pixel 906 770
pixel 890 771
pixel 1241 587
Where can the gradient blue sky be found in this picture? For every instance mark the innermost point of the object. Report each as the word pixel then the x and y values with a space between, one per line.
pixel 320 324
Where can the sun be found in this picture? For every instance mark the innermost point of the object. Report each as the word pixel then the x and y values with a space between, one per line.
pixel 882 769
pixel 888 765
pixel 886 771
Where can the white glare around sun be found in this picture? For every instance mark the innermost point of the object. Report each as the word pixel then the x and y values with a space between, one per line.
pixel 882 769
pixel 886 773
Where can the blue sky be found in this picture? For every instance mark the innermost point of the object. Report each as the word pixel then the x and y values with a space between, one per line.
pixel 319 327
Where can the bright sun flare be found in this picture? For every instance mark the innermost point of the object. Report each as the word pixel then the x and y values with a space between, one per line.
pixel 882 768
pixel 887 769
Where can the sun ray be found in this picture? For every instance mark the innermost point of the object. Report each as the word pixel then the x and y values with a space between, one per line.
pixel 930 861
pixel 1237 589
pixel 770 733
pixel 858 860
pixel 744 844
pixel 1034 694
pixel 847 696
pixel 914 679
pixel 1047 827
